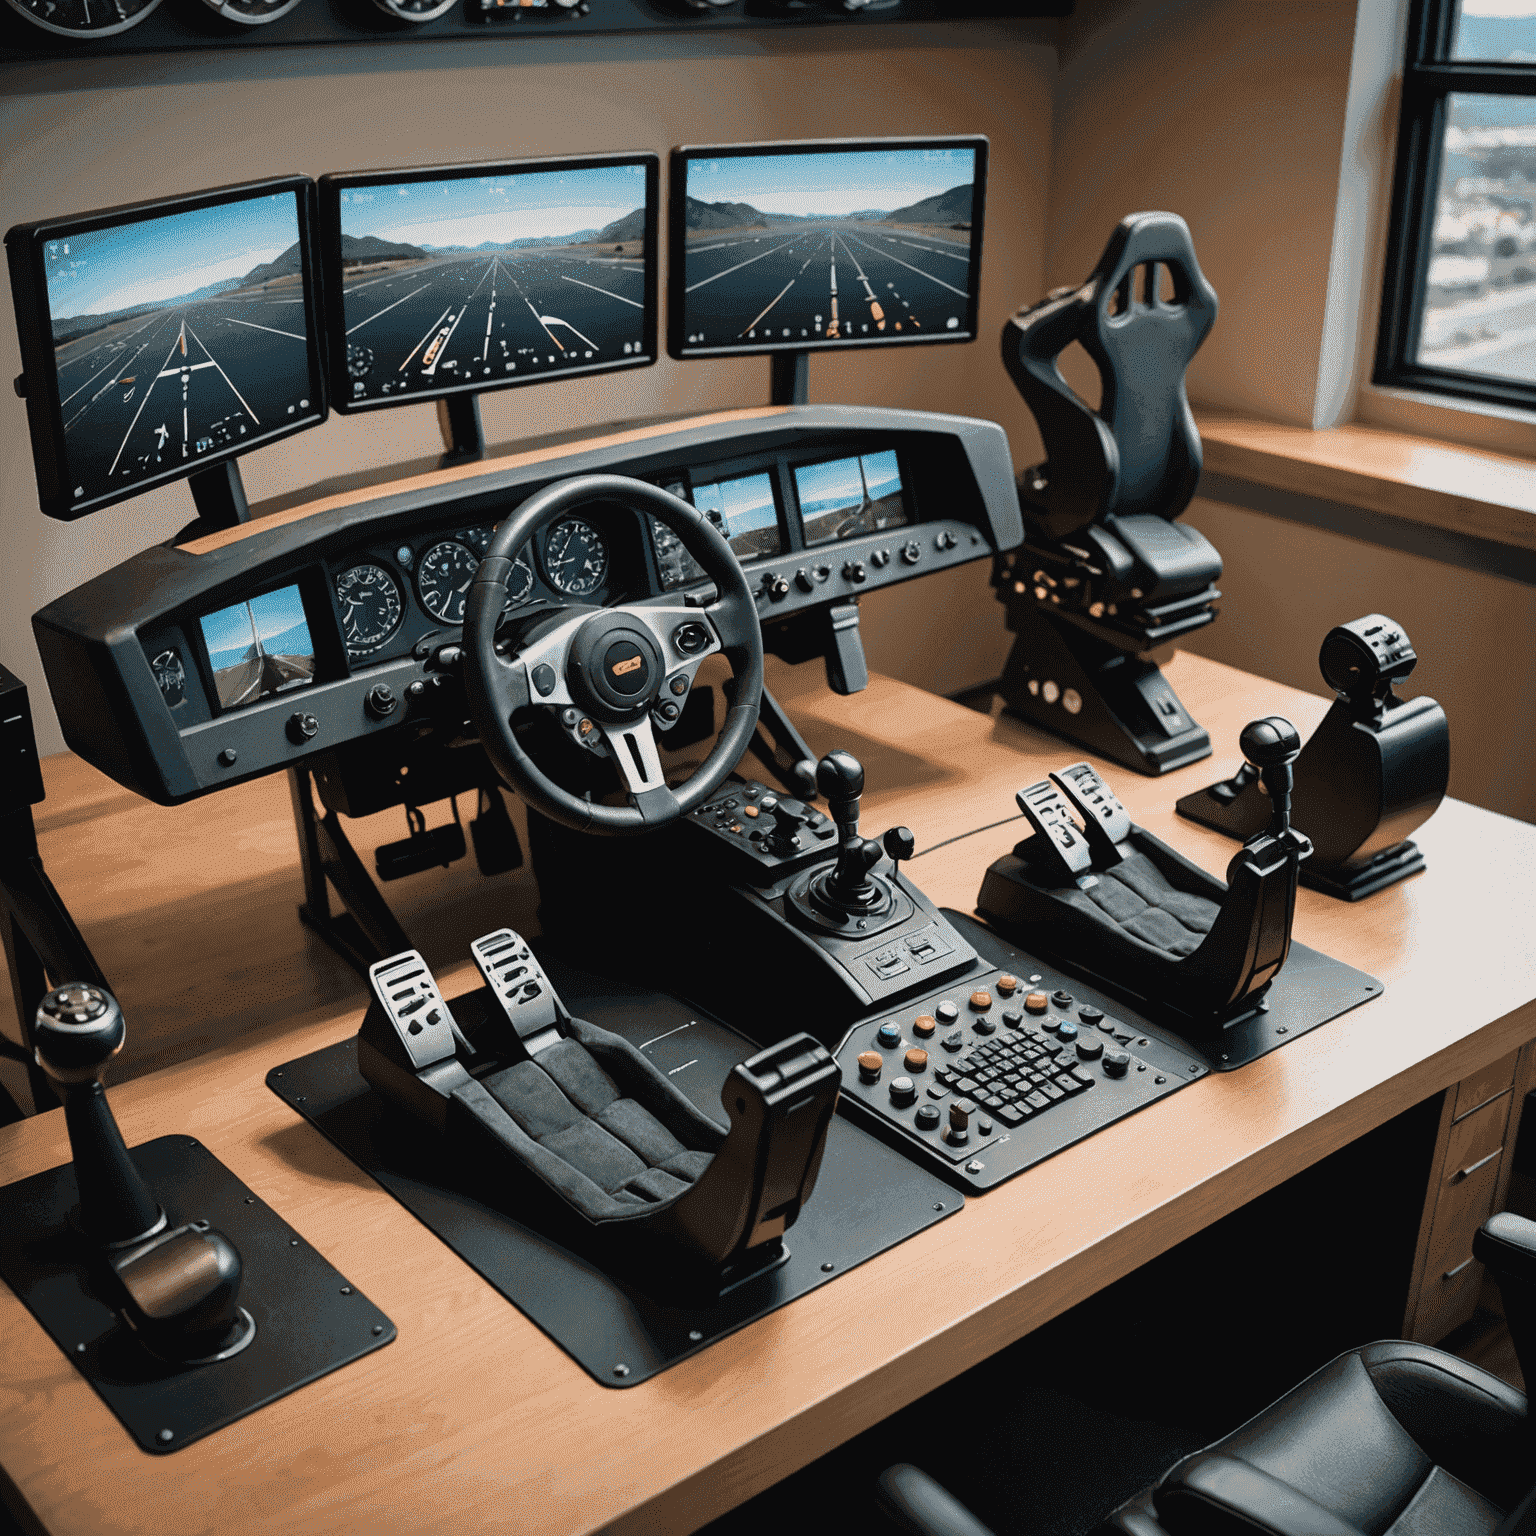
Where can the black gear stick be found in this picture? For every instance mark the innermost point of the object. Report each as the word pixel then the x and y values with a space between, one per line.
pixel 1272 746
pixel 840 778
pixel 178 1288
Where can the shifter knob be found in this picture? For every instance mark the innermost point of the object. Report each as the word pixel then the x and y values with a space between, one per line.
pixel 78 1030
pixel 840 777
pixel 1272 745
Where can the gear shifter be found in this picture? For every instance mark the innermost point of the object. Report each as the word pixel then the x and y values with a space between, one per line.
pixel 840 778
pixel 178 1289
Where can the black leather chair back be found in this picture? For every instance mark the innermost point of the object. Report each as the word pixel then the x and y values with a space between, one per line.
pixel 1139 453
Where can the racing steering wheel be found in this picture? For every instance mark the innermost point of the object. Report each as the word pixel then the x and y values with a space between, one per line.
pixel 609 675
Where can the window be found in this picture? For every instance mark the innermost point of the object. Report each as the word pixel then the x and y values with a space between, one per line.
pixel 1459 310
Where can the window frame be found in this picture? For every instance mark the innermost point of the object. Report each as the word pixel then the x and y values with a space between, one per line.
pixel 1430 77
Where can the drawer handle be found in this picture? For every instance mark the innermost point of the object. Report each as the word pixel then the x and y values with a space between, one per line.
pixel 1484 1105
pixel 1482 1162
pixel 1451 1274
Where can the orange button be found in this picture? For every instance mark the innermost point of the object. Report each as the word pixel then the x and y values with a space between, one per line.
pixel 1007 985
pixel 870 1063
pixel 981 1001
pixel 749 810
pixel 916 1060
pixel 1037 1002
pixel 924 1025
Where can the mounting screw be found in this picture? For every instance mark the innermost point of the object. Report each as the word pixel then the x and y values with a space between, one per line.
pixel 621 1370
pixel 378 1328
pixel 293 1242
pixel 1282 1030
pixel 250 1199
pixel 298 1098
pixel 828 1267
pixel 346 1290
pixel 695 1335
pixel 938 1205
pixel 165 1437
pixel 79 1349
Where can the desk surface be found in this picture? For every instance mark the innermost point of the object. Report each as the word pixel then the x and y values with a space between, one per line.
pixel 472 1420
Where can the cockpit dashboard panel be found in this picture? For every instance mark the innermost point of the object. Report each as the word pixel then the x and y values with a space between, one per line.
pixel 188 668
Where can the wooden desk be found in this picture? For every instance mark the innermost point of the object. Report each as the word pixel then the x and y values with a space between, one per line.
pixel 473 1420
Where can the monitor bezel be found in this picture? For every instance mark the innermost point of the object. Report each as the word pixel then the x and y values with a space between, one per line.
pixel 330 187
pixel 24 245
pixel 679 348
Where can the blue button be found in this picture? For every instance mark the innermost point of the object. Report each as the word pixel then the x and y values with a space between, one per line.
pixel 1068 1030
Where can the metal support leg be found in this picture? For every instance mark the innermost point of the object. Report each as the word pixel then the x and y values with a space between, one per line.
pixel 365 931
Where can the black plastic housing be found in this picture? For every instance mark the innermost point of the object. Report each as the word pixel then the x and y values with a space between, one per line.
pixel 24 246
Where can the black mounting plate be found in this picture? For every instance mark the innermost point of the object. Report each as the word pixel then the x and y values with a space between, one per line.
pixel 868 1197
pixel 309 1319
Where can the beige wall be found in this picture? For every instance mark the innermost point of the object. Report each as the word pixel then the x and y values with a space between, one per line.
pixel 80 137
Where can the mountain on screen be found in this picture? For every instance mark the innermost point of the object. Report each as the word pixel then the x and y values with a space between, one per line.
pixel 286 265
pixel 630 227
pixel 697 215
pixel 370 248
pixel 952 207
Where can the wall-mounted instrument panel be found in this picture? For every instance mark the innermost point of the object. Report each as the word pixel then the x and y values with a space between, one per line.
pixel 188 668
pixel 95 28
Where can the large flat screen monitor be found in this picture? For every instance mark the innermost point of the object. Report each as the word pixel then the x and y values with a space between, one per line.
pixel 162 338
pixel 815 246
pixel 445 279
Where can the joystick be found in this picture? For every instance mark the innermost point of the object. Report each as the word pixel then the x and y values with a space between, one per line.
pixel 849 887
pixel 178 1289
pixel 1374 770
pixel 1271 746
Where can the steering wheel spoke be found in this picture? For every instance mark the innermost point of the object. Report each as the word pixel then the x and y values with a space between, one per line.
pixel 633 749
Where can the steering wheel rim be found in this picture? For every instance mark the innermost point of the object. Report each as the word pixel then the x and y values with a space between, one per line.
pixel 498 686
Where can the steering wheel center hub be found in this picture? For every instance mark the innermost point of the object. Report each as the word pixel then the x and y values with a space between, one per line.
pixel 615 669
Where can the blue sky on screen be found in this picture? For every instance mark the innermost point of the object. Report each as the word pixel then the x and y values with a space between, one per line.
pixel 831 181
pixel 822 487
pixel 745 503
pixel 229 633
pixel 153 261
pixel 471 210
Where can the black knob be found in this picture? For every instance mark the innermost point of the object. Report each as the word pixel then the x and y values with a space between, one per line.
pixel 1116 1063
pixel 959 1124
pixel 840 777
pixel 899 843
pixel 880 559
pixel 804 580
pixel 911 552
pixel 1269 742
pixel 302 727
pixel 777 587
pixel 690 638
pixel 381 701
pixel 78 1030
pixel 854 571
pixel 903 1091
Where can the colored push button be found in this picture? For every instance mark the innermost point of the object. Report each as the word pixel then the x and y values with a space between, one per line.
pixel 1036 1002
pixel 981 1000
pixel 889 1035
pixel 1068 1030
pixel 870 1064
pixel 749 810
pixel 1007 985
pixel 924 1025
pixel 916 1060
pixel 903 1091
pixel 946 1012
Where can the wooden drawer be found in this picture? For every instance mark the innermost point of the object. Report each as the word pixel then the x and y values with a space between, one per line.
pixel 1451 1277
pixel 1475 1091
pixel 1476 1142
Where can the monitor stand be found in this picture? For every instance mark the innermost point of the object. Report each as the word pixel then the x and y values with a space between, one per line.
pixel 458 418
pixel 218 493
pixel 789 376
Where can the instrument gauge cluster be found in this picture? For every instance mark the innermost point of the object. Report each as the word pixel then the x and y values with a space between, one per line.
pixel 575 557
pixel 372 607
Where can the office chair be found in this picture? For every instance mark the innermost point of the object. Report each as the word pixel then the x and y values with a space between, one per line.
pixel 1105 572
pixel 1393 1439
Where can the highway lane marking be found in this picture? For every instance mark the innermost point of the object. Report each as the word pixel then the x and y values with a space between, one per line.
pixel 932 250
pixel 785 289
pixel 230 320
pixel 181 340
pixel 739 265
pixel 908 265
pixel 238 396
pixel 548 320
pixel 420 344
pixel 595 289
pixel 411 295
pixel 99 393
pixel 125 340
pixel 177 369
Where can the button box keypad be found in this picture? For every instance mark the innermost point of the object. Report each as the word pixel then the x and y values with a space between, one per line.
pixel 1004 1069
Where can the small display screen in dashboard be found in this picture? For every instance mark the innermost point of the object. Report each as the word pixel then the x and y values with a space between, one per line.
pixel 742 508
pixel 844 498
pixel 259 647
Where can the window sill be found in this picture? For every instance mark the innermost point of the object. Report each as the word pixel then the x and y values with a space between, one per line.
pixel 1469 491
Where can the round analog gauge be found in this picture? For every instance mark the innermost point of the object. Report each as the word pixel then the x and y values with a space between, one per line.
pixel 519 582
pixel 371 607
pixel 415 11
pixel 443 576
pixel 170 675
pixel 575 557
pixel 359 360
pixel 84 18
pixel 251 13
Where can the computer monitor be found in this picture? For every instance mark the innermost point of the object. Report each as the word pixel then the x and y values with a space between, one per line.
pixel 446 280
pixel 159 339
pixel 821 245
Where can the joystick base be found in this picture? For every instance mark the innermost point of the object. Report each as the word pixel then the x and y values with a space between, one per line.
pixel 308 1320
pixel 1355 884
